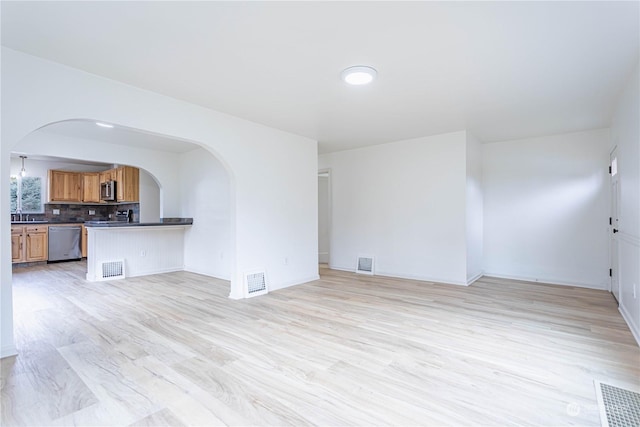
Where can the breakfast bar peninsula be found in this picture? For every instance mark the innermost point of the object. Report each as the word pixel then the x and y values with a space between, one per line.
pixel 127 249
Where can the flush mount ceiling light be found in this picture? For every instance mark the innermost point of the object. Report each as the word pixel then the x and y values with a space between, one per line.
pixel 23 171
pixel 359 75
pixel 104 125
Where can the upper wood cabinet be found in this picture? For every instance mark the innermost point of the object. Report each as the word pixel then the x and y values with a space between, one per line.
pixel 127 184
pixel 91 187
pixel 108 175
pixel 79 187
pixel 65 186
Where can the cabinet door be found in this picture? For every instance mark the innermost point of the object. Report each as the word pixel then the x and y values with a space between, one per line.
pixel 128 184
pixel 36 246
pixel 108 175
pixel 56 185
pixel 73 186
pixel 85 236
pixel 17 247
pixel 120 183
pixel 91 187
pixel 65 186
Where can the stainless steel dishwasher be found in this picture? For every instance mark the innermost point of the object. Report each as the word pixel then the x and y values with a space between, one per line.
pixel 64 243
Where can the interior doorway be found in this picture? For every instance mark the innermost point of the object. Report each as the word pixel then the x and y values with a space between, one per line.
pixel 614 227
pixel 324 216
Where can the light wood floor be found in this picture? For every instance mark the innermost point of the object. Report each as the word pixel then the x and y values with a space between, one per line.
pixel 345 350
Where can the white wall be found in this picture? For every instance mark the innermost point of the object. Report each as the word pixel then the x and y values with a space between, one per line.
pixel 273 173
pixel 323 219
pixel 474 209
pixel 149 198
pixel 625 134
pixel 206 198
pixel 404 203
pixel 40 168
pixel 546 209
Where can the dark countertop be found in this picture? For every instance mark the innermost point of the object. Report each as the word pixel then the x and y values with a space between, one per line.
pixel 28 222
pixel 163 222
pixel 46 222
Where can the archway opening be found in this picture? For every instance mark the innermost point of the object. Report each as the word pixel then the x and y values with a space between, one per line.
pixel 178 178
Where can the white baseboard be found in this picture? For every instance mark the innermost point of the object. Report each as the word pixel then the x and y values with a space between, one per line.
pixel 546 280
pixel 474 278
pixel 8 351
pixel 422 278
pixel 278 286
pixel 406 276
pixel 206 273
pixel 139 273
pixel 156 271
pixel 349 269
pixel 635 331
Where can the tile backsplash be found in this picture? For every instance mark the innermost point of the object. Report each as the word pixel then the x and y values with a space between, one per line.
pixel 80 212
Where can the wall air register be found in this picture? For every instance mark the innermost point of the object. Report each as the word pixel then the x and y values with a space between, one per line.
pixel 365 265
pixel 255 284
pixel 112 270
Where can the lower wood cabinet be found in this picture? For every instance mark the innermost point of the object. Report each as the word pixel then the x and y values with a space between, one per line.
pixel 17 244
pixel 83 241
pixel 29 243
pixel 37 243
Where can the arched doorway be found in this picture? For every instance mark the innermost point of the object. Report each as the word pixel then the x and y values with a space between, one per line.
pixel 190 181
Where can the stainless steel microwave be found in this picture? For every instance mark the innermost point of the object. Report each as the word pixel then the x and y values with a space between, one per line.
pixel 108 191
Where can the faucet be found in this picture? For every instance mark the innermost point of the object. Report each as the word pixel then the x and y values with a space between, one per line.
pixel 19 212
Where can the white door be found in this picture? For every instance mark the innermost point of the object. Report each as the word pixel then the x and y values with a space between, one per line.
pixel 613 228
pixel 324 216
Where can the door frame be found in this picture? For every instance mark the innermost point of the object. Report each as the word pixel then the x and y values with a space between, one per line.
pixel 327 171
pixel 614 249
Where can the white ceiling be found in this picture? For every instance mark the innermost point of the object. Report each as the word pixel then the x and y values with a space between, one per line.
pixel 502 70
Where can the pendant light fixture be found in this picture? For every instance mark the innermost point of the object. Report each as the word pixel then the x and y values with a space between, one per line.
pixel 23 171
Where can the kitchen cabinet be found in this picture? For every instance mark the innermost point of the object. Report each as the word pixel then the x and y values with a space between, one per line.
pixel 29 243
pixel 127 184
pixel 83 241
pixel 108 175
pixel 65 186
pixel 79 187
pixel 36 243
pixel 91 187
pixel 18 253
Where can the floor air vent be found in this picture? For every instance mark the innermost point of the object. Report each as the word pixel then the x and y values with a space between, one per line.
pixel 619 407
pixel 365 265
pixel 256 284
pixel 111 270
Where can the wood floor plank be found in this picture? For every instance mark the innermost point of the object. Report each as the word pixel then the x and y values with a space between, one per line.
pixel 347 349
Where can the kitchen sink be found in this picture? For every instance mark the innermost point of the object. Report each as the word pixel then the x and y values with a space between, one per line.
pixel 29 222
